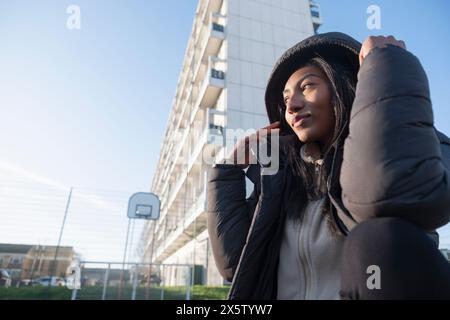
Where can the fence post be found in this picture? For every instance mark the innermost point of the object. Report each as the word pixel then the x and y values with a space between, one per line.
pixel 136 275
pixel 76 280
pixel 105 282
pixel 74 293
pixel 162 283
pixel 188 286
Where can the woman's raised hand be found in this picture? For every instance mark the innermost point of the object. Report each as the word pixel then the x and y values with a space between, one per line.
pixel 373 42
pixel 241 155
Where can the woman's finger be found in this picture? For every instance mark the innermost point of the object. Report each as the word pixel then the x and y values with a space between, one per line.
pixel 391 39
pixel 276 124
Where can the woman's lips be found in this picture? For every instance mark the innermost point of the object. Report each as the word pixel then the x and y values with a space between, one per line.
pixel 300 120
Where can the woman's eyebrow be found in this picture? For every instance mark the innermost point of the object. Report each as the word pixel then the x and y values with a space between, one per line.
pixel 302 79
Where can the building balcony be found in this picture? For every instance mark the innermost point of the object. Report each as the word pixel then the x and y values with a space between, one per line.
pixel 213 84
pixel 210 44
pixel 217 33
pixel 213 127
pixel 194 218
pixel 204 125
pixel 315 15
pixel 211 6
pixel 193 224
pixel 214 39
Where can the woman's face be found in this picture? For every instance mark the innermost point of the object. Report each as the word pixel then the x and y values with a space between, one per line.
pixel 309 111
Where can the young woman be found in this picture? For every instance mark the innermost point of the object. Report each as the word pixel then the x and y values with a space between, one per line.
pixel 363 181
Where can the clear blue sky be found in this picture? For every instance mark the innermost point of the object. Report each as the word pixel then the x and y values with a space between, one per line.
pixel 83 108
pixel 89 107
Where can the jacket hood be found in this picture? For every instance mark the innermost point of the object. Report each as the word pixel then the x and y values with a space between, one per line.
pixel 332 45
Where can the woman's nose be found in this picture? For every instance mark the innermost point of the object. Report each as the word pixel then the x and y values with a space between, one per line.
pixel 295 104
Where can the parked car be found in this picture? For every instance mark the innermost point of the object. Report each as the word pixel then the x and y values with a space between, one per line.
pixel 5 279
pixel 154 280
pixel 28 283
pixel 54 282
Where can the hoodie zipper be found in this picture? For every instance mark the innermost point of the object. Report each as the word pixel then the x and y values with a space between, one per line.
pixel 304 237
pixel 301 256
pixel 318 170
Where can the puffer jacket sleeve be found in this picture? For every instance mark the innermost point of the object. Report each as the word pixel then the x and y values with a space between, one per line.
pixel 229 213
pixel 393 163
pixel 445 148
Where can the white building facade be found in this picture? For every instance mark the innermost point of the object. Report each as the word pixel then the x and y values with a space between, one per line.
pixel 230 54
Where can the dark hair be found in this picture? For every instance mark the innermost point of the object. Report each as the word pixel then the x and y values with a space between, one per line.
pixel 305 183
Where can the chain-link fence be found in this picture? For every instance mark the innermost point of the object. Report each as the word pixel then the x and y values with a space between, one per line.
pixel 47 232
pixel 132 281
pixel 51 240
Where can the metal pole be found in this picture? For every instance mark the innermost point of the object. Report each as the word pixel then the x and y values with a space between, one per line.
pixel 147 285
pixel 193 256
pixel 162 284
pixel 132 236
pixel 153 242
pixel 131 240
pixel 188 287
pixel 147 288
pixel 188 290
pixel 105 282
pixel 124 259
pixel 205 282
pixel 136 274
pixel 74 293
pixel 33 265
pixel 53 267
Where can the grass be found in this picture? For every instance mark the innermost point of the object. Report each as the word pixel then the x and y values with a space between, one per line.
pixel 95 293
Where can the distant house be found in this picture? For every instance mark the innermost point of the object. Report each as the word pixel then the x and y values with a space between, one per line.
pixel 40 262
pixel 12 257
pixel 34 261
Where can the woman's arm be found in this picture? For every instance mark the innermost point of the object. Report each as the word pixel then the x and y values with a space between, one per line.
pixel 229 214
pixel 393 164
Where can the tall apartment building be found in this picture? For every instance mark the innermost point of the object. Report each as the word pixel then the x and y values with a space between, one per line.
pixel 230 54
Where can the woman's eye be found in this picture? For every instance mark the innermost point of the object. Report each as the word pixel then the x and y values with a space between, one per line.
pixel 307 86
pixel 286 99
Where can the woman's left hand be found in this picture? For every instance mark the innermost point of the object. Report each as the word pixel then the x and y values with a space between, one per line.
pixel 373 42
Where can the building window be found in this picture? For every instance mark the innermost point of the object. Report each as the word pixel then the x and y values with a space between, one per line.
pixel 16 260
pixel 218 74
pixel 215 127
pixel 218 27
pixel 315 14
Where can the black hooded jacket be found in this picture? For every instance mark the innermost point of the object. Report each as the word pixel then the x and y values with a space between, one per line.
pixel 393 163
